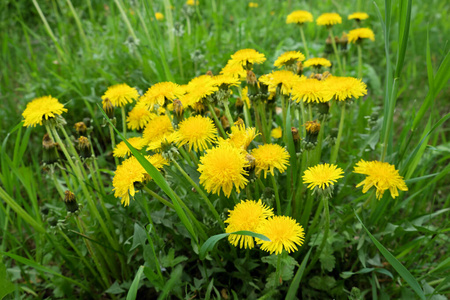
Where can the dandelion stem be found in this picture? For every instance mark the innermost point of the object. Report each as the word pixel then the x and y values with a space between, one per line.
pixel 113 142
pixel 218 123
pixel 228 113
pixel 359 61
pixel 124 124
pixel 336 53
pixel 302 33
pixel 334 154
pixel 277 197
pixel 159 198
pixel 180 61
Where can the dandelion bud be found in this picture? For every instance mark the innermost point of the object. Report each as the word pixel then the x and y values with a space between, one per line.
pixel 312 131
pixel 108 107
pixel 328 46
pixel 239 104
pixel 295 134
pixel 324 108
pixel 251 78
pixel 225 122
pixel 299 68
pixel 199 107
pixel 80 127
pixel 50 153
pixel 178 108
pixel 84 146
pixel 210 73
pixel 52 221
pixel 70 202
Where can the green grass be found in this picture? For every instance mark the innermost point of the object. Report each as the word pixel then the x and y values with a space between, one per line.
pixel 75 50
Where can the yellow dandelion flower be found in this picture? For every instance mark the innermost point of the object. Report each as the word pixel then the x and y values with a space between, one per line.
pixel 122 149
pixel 382 175
pixel 221 168
pixel 41 109
pixel 317 62
pixel 157 128
pixel 160 93
pixel 344 88
pixel 299 17
pixel 284 79
pixel 270 156
pixel 276 133
pixel 358 34
pixel 198 132
pixel 138 117
pixel 311 90
pixel 192 2
pixel 329 19
pixel 322 176
pixel 284 234
pixel 240 137
pixel 198 89
pixel 253 4
pixel 245 97
pixel 312 126
pixel 289 58
pixel 246 215
pixel 159 16
pixel 130 173
pixel 358 16
pixel 120 94
pixel 234 70
pixel 247 58
pixel 162 142
pixel 225 81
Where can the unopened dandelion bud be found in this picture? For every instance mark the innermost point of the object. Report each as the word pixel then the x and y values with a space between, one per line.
pixel 199 108
pixel 108 107
pixel 312 131
pixel 299 68
pixel 70 202
pixel 210 73
pixel 328 46
pixel 343 41
pixel 251 78
pixel 178 108
pixel 84 146
pixel 225 122
pixel 52 221
pixel 50 152
pixel 239 104
pixel 80 127
pixel 295 134
pixel 323 107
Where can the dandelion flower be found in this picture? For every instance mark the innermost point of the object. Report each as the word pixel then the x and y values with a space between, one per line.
pixel 120 94
pixel 247 58
pixel 240 137
pixel 276 133
pixel 192 2
pixel 162 143
pixel 356 35
pixel 234 70
pixel 159 16
pixel 382 175
pixel 322 176
pixel 198 132
pixel 160 93
pixel 221 168
pixel 299 17
pixel 311 90
pixel 157 128
pixel 225 81
pixel 284 79
pixel 138 117
pixel 246 215
pixel 253 4
pixel 198 89
pixel 358 16
pixel 329 19
pixel 270 156
pixel 289 58
pixel 317 62
pixel 344 88
pixel 131 173
pixel 122 149
pixel 283 232
pixel 41 109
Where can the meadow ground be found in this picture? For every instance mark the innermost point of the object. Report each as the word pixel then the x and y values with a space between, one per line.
pixel 346 159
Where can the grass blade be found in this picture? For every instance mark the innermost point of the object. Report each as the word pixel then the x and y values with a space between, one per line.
pixel 295 284
pixel 132 292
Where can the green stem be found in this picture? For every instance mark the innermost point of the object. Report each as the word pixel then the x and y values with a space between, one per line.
pixel 202 194
pixel 278 270
pixel 359 60
pixel 218 123
pixel 124 122
pixel 159 198
pixel 304 41
pixel 318 150
pixel 113 143
pixel 333 42
pixel 186 156
pixel 310 112
pixel 228 113
pixel 334 154
pixel 277 197
pixel 302 110
pixel 180 61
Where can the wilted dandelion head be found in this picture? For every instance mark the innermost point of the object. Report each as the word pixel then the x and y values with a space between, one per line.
pixel 221 168
pixel 312 127
pixel 247 58
pixel 329 19
pixel 345 88
pixel 284 234
pixel 289 58
pixel 246 215
pixel 382 175
pixel 299 17
pixel 159 93
pixel 138 117
pixel 311 90
pixel 359 34
pixel 284 80
pixel 120 94
pixel 322 176
pixel 358 16
pixel 41 109
pixel 317 62
pixel 122 149
pixel 198 132
pixel 270 156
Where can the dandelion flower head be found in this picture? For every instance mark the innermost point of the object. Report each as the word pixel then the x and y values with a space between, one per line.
pixel 322 176
pixel 122 149
pixel 234 70
pixel 299 17
pixel 358 16
pixel 312 127
pixel 284 234
pixel 289 58
pixel 138 117
pixel 159 16
pixel 41 109
pixel 329 19
pixel 270 156
pixel 311 90
pixel 192 2
pixel 157 128
pixel 344 88
pixel 284 79
pixel 159 93
pixel 247 58
pixel 253 5
pixel 240 137
pixel 226 81
pixel 120 94
pixel 221 168
pixel 276 133
pixel 246 215
pixel 359 34
pixel 382 175
pixel 197 131
pixel 199 88
pixel 317 62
